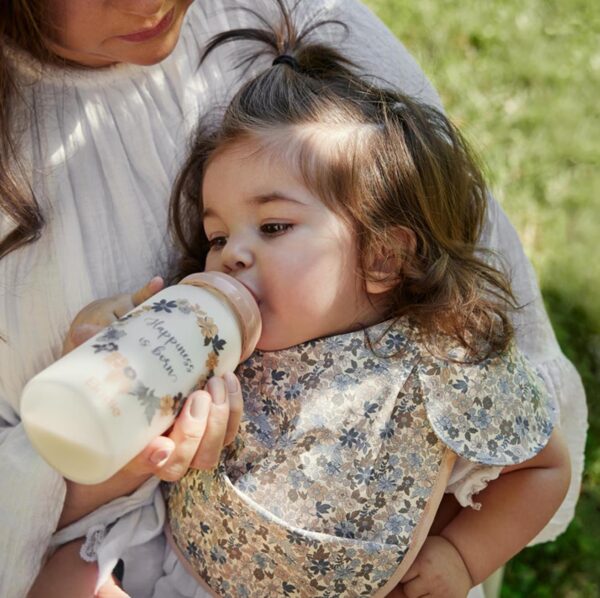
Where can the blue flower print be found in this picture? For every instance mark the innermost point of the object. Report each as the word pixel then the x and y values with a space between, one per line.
pixel 521 426
pixel 193 549
pixel 108 347
pixel 345 529
pixel 164 305
pixel 218 555
pixel 395 342
pixel 320 566
pixel 386 484
pixel 111 335
pixel 293 391
pixel 363 475
pixel 481 419
pixel 387 431
pixel 397 524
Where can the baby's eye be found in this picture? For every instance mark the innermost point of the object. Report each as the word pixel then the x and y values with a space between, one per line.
pixel 275 228
pixel 217 242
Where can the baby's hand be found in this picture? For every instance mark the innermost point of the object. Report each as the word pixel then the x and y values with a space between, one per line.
pixel 99 314
pixel 438 572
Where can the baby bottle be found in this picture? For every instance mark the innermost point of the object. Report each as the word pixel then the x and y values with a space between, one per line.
pixel 97 407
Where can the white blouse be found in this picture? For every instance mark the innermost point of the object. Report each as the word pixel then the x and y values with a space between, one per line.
pixel 102 148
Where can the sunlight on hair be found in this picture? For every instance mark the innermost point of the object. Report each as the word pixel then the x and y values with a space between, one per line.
pixel 315 148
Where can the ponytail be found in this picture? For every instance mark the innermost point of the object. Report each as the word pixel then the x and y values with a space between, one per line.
pixel 286 44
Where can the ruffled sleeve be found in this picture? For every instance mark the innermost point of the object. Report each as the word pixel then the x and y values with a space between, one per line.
pixel 494 412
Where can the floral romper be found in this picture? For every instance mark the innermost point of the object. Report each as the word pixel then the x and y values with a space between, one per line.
pixel 344 452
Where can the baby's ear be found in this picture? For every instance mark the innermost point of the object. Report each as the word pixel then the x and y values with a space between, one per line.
pixel 384 271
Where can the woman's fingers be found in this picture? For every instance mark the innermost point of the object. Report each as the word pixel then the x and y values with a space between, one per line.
pixel 150 288
pixel 187 434
pixel 236 406
pixel 123 304
pixel 78 334
pixel 209 419
pixel 209 450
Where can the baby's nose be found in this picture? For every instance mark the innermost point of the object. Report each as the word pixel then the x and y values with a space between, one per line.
pixel 236 256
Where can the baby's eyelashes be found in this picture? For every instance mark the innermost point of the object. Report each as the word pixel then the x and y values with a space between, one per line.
pixel 217 242
pixel 275 228
pixel 268 229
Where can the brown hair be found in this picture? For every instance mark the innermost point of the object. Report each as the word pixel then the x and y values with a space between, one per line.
pixel 383 160
pixel 23 25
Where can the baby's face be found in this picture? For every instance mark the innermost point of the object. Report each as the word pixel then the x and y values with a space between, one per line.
pixel 297 257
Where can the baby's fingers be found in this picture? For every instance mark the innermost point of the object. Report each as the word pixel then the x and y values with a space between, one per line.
pixel 150 288
pixel 78 334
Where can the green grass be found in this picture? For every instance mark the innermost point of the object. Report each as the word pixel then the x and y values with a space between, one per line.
pixel 522 80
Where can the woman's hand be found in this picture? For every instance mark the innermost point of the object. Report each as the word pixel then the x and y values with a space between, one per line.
pixel 208 421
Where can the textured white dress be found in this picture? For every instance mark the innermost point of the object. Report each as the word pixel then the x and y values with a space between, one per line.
pixel 102 150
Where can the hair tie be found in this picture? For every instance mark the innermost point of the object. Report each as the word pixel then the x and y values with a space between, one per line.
pixel 288 60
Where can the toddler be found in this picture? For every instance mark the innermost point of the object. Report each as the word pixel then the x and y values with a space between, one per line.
pixel 385 375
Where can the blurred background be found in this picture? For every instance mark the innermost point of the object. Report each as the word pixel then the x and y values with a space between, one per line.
pixel 522 81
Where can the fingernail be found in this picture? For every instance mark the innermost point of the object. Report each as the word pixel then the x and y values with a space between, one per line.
pixel 217 391
pixel 196 407
pixel 160 456
pixel 232 383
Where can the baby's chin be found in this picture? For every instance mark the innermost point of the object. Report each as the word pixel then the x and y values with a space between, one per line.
pixel 274 344
pixel 277 342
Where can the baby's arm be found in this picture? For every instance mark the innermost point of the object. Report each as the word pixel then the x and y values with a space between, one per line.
pixel 514 508
pixel 66 574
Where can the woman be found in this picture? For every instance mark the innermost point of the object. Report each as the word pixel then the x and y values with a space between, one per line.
pixel 98 99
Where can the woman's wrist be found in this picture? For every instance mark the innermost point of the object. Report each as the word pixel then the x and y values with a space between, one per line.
pixel 82 499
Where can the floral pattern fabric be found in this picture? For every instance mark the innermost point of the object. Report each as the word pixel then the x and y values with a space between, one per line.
pixel 341 445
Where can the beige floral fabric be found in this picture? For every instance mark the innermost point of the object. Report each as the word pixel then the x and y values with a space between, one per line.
pixel 338 455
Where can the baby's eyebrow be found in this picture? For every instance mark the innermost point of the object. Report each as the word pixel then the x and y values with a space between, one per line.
pixel 274 196
pixel 263 199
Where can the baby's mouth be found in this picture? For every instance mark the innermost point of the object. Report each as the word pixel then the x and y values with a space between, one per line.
pixel 252 292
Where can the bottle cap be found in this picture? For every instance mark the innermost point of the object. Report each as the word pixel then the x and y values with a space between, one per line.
pixel 241 301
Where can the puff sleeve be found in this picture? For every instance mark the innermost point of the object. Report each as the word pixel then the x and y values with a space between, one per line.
pixel 494 412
